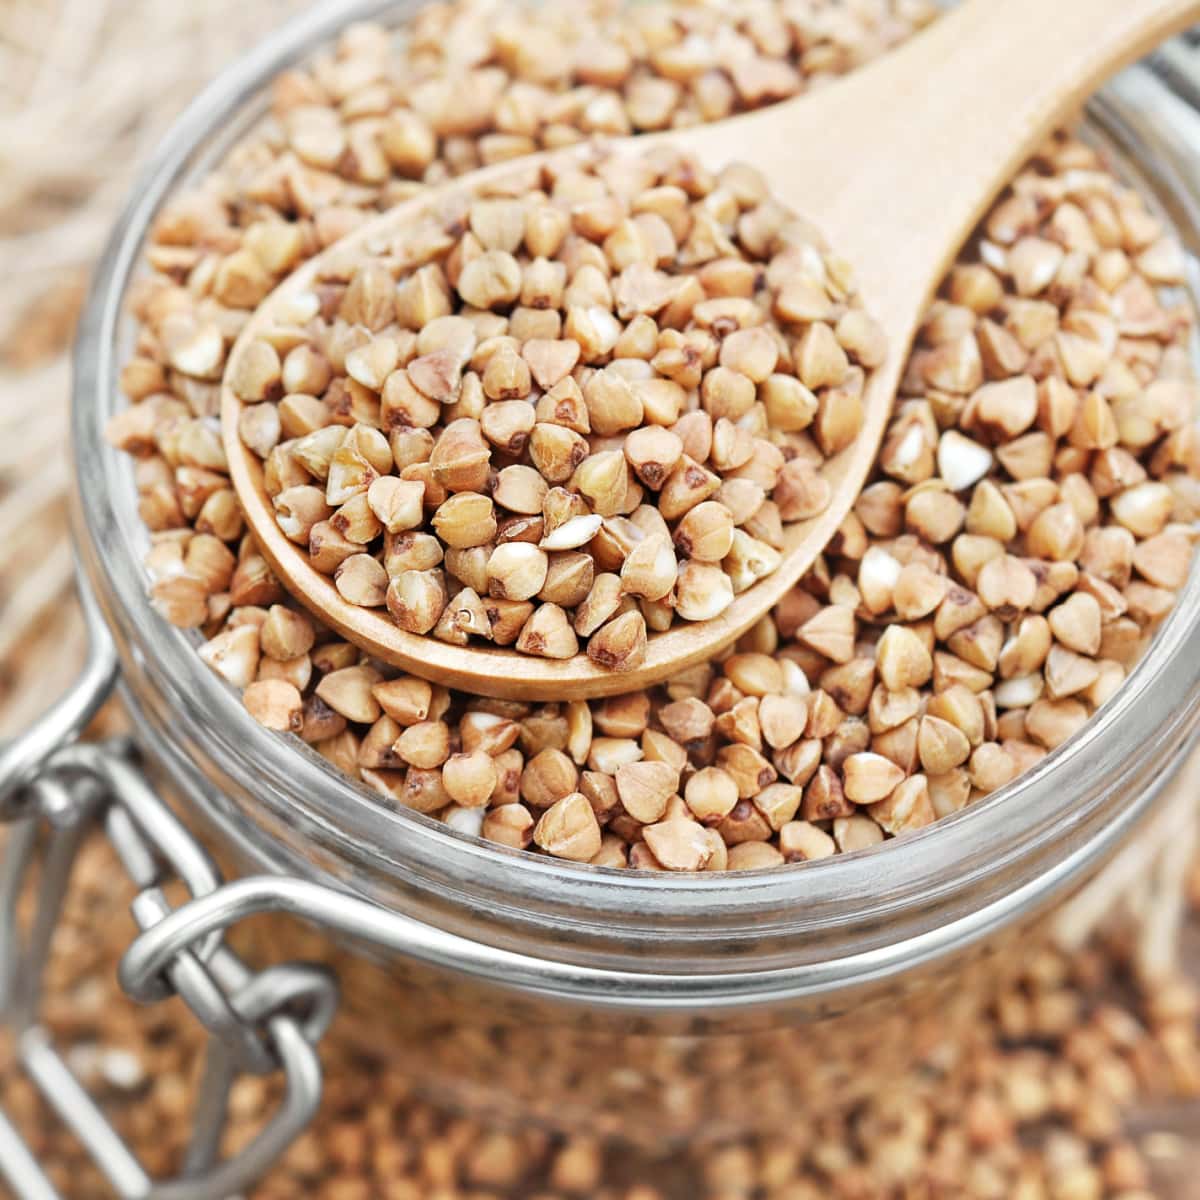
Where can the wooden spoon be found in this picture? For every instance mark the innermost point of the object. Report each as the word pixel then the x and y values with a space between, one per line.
pixel 896 163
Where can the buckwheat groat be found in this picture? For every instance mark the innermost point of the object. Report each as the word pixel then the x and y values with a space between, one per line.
pixel 367 125
pixel 1029 523
pixel 591 404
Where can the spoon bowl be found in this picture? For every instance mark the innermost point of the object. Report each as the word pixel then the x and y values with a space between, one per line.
pixel 895 164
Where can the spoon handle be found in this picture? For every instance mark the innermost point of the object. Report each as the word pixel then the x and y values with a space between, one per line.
pixel 898 162
pixel 953 117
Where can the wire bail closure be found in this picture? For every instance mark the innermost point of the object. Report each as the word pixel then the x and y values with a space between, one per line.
pixel 54 793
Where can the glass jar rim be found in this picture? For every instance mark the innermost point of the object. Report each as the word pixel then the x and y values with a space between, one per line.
pixel 997 859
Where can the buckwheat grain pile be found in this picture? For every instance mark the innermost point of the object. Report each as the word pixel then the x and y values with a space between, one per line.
pixel 1029 523
pixel 596 398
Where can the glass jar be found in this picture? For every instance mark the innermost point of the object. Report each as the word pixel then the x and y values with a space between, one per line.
pixel 638 1005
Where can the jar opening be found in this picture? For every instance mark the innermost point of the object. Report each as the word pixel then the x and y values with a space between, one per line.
pixel 294 812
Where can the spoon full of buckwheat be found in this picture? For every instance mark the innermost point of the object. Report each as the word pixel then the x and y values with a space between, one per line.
pixel 575 422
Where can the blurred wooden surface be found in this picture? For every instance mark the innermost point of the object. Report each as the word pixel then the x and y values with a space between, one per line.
pixel 86 89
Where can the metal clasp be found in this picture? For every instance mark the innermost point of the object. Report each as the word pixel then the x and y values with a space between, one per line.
pixel 54 793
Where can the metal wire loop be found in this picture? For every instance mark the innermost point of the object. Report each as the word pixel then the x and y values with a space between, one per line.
pixel 53 794
pixel 305 991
